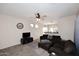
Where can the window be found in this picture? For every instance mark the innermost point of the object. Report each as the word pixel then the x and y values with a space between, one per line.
pixel 50 28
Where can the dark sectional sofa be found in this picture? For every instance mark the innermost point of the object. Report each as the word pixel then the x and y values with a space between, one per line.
pixel 55 44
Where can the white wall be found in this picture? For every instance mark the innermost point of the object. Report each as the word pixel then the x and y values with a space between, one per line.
pixel 9 34
pixel 66 27
pixel 35 32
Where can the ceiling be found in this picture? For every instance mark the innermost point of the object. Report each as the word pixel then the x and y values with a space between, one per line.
pixel 53 10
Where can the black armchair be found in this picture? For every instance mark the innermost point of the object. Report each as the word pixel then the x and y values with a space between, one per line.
pixel 26 38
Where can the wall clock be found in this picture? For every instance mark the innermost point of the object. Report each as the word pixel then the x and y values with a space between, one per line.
pixel 20 26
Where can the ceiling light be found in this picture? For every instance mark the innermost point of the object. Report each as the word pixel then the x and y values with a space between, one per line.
pixel 37 19
pixel 32 25
pixel 36 26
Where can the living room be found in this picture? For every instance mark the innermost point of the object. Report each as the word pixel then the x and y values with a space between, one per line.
pixel 38 19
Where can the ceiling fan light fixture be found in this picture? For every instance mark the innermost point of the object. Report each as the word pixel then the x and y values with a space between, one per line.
pixel 32 25
pixel 36 26
pixel 37 15
pixel 38 19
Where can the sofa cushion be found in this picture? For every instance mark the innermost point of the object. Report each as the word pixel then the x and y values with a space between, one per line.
pixel 45 36
pixel 69 46
pixel 58 45
pixel 45 41
pixel 55 39
pixel 57 51
pixel 45 44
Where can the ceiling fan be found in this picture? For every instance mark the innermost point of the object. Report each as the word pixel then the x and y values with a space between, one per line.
pixel 37 17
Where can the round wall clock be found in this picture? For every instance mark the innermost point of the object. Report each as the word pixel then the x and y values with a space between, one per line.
pixel 20 26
